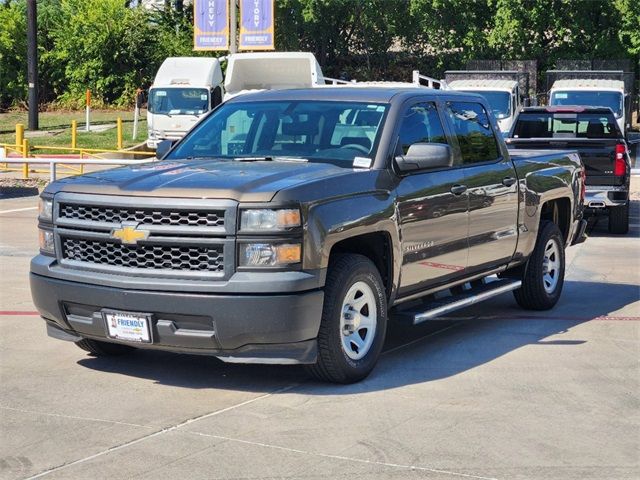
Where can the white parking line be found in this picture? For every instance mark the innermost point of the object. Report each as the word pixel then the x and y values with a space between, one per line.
pixel 340 457
pixel 160 432
pixel 18 210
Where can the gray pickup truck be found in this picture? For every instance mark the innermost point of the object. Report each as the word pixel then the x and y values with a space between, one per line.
pixel 287 227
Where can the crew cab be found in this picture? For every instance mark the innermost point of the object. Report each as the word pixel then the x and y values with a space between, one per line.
pixel 279 230
pixel 596 135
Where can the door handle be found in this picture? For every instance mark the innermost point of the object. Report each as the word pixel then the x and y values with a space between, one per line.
pixel 508 181
pixel 458 189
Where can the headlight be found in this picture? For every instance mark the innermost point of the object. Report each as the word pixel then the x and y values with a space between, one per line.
pixel 269 255
pixel 45 209
pixel 46 242
pixel 264 220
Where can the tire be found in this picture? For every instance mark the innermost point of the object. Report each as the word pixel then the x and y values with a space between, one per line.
pixel 541 289
pixel 351 336
pixel 104 349
pixel 619 219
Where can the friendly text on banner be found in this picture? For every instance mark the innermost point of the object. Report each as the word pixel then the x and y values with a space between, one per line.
pixel 210 24
pixel 256 25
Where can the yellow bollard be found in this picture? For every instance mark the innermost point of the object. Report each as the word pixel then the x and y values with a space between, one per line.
pixel 74 134
pixel 25 154
pixel 19 134
pixel 119 132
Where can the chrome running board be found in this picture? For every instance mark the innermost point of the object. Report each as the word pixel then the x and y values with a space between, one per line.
pixel 441 306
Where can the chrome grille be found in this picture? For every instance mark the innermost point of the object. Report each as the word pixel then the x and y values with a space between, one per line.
pixel 153 257
pixel 143 216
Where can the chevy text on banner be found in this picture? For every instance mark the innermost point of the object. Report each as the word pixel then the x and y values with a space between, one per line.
pixel 256 25
pixel 211 24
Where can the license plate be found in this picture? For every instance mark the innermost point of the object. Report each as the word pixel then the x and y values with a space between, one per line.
pixel 132 327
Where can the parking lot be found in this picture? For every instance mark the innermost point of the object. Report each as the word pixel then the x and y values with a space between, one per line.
pixel 492 392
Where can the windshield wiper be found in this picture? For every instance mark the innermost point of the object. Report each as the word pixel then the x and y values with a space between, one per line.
pixel 253 159
pixel 270 159
pixel 204 157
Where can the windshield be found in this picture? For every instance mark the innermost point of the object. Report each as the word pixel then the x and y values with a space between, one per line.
pixel 566 125
pixel 324 131
pixel 178 101
pixel 613 100
pixel 500 102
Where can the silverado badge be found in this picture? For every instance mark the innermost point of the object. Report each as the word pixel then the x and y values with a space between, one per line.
pixel 129 234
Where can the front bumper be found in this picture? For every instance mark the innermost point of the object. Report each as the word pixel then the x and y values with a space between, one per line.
pixel 248 328
pixel 603 197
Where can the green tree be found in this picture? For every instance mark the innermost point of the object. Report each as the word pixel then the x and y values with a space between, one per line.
pixel 333 29
pixel 105 47
pixel 629 25
pixel 439 27
pixel 13 51
pixel 548 30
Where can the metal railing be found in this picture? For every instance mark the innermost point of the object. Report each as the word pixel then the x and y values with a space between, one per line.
pixel 25 150
pixel 338 81
pixel 55 162
pixel 419 79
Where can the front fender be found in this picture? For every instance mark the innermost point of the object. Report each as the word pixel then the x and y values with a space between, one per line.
pixel 343 218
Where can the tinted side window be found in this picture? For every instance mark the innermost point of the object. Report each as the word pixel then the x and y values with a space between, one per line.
pixel 420 124
pixel 473 131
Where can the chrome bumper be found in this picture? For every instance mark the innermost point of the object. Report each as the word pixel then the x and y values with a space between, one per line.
pixel 602 197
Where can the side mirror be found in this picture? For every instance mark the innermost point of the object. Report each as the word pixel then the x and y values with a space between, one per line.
pixel 422 156
pixel 526 102
pixel 163 148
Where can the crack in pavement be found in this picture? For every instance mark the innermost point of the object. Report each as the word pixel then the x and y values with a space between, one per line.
pixel 160 432
pixel 341 457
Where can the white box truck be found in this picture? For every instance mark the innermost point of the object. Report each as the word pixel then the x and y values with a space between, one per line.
pixel 594 88
pixel 184 89
pixel 506 91
pixel 251 72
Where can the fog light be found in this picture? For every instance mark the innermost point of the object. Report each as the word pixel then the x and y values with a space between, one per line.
pixel 47 245
pixel 269 255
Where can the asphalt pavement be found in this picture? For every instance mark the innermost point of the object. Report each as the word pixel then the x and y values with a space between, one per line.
pixel 494 392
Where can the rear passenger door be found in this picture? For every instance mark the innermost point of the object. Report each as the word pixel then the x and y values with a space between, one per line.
pixel 433 219
pixel 492 187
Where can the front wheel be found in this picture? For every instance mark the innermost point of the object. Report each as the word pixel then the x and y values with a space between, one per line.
pixel 354 321
pixel 543 275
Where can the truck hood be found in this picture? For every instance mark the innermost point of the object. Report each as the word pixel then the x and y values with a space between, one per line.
pixel 255 181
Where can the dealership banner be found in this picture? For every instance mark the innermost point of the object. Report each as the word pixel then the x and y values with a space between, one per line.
pixel 256 25
pixel 211 24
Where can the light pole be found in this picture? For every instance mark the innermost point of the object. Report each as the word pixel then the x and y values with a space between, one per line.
pixel 233 47
pixel 32 62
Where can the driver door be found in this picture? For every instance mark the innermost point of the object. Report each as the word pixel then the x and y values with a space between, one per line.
pixel 433 213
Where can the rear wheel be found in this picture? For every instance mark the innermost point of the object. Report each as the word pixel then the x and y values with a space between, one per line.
pixel 104 349
pixel 543 275
pixel 619 219
pixel 354 321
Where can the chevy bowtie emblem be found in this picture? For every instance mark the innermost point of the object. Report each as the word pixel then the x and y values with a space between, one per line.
pixel 129 234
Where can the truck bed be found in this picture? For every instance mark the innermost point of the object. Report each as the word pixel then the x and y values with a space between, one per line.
pixel 597 154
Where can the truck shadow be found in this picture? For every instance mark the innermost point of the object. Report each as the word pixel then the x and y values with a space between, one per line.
pixel 412 355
